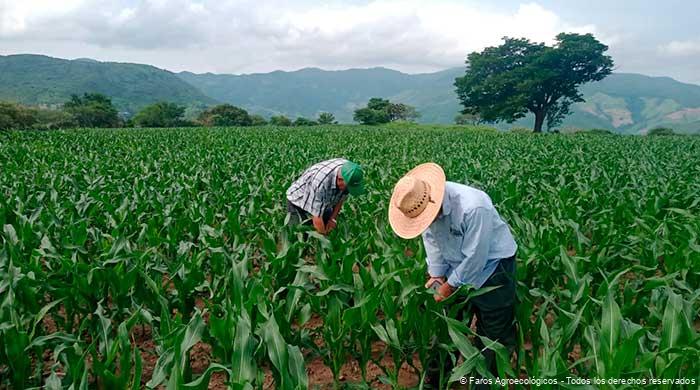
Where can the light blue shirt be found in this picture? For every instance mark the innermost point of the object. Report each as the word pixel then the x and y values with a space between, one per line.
pixel 468 238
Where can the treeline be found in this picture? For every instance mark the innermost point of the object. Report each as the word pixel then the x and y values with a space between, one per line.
pixel 97 110
pixel 89 110
pixel 164 114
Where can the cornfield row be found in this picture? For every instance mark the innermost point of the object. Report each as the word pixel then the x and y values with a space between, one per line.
pixel 179 235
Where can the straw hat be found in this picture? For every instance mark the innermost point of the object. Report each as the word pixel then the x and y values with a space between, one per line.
pixel 416 200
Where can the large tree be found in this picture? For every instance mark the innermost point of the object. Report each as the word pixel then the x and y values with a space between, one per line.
pixel 92 110
pixel 505 82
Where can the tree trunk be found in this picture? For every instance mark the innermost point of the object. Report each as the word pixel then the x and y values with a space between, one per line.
pixel 539 121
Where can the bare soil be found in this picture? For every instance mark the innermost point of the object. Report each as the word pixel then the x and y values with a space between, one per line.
pixel 320 375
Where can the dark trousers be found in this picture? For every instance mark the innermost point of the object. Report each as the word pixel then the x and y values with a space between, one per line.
pixel 495 316
pixel 299 216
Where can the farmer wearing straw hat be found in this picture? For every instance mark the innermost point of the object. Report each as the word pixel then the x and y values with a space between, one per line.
pixel 466 243
pixel 317 196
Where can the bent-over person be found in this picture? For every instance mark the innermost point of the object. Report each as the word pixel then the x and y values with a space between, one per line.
pixel 317 196
pixel 466 243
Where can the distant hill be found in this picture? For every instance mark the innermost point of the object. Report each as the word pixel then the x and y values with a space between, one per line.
pixel 626 103
pixel 307 92
pixel 41 80
pixel 633 103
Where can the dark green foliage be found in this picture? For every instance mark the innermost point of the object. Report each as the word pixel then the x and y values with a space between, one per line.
pixel 280 120
pixel 598 131
pixel 92 110
pixel 14 116
pixel 18 117
pixel 380 111
pixel 506 82
pixel 225 115
pixel 301 121
pixel 53 120
pixel 661 131
pixel 326 118
pixel 402 112
pixel 368 116
pixel 378 104
pixel 161 114
pixel 257 120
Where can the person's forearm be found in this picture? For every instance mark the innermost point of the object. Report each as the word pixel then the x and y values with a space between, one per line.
pixel 336 209
pixel 318 224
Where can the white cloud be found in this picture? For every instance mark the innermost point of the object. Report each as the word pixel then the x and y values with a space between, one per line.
pixel 19 16
pixel 681 48
pixel 245 36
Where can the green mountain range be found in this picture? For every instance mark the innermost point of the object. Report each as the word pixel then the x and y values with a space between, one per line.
pixel 625 103
pixel 47 81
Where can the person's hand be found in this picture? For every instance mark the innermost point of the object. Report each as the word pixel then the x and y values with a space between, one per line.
pixel 330 225
pixel 439 279
pixel 444 292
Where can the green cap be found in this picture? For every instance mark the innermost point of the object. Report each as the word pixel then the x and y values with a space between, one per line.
pixel 352 175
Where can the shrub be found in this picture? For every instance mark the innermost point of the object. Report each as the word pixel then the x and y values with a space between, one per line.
pixel 225 115
pixel 280 120
pixel 301 121
pixel 257 120
pixel 661 131
pixel 161 114
pixel 326 118
pixel 53 120
pixel 595 131
pixel 15 117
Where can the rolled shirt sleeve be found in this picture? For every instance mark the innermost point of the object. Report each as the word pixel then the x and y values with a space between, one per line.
pixel 477 225
pixel 437 266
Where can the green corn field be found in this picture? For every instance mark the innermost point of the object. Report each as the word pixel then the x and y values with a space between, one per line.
pixel 161 259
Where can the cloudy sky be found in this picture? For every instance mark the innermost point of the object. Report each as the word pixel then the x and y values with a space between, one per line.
pixel 241 36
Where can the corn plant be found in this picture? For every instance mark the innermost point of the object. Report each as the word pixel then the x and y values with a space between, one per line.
pixel 180 235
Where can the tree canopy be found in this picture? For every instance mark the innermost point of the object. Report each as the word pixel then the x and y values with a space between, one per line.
pixel 280 120
pixel 380 111
pixel 161 114
pixel 326 118
pixel 301 121
pixel 257 120
pixel 92 110
pixel 14 117
pixel 505 82
pixel 225 115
